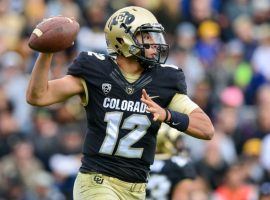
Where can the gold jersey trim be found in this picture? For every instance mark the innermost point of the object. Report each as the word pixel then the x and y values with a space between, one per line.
pixel 84 96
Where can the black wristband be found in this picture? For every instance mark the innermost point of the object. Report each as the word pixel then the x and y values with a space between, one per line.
pixel 179 121
pixel 167 115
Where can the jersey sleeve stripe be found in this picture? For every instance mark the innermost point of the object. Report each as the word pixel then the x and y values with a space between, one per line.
pixel 85 96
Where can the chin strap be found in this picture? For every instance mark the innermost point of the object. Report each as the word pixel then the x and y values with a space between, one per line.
pixel 144 64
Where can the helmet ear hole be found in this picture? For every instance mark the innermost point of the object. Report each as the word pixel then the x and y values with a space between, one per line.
pixel 120 40
pixel 146 46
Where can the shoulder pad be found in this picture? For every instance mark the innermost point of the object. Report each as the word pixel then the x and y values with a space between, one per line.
pixel 88 63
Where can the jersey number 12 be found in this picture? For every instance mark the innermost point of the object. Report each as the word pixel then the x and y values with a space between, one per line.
pixel 138 124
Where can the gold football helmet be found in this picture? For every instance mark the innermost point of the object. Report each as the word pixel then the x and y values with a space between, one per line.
pixel 169 141
pixel 125 26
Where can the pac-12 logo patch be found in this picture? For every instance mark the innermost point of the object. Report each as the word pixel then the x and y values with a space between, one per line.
pixel 106 88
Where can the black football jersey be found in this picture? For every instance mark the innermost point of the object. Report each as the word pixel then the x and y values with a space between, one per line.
pixel 166 174
pixel 121 135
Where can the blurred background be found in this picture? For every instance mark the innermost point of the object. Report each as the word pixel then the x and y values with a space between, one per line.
pixel 223 46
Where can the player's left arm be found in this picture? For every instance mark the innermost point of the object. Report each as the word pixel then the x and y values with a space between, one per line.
pixel 184 115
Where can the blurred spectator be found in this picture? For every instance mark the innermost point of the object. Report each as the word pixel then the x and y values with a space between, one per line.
pixel 251 154
pixel 235 8
pixel 264 191
pixel 45 136
pixel 66 162
pixel 208 45
pixel 252 147
pixel 243 28
pixel 15 83
pixel 264 156
pixel 71 140
pixel 212 166
pixel 169 15
pixel 201 190
pixel 9 129
pixel 232 97
pixel 201 10
pixel 95 18
pixel 262 53
pixel 21 165
pixel 67 8
pixel 191 66
pixel 261 11
pixel 151 4
pixel 204 96
pixel 233 70
pixel 227 125
pixel 34 11
pixel 11 24
pixel 44 188
pixel 263 95
pixel 24 50
pixel 263 121
pixel 186 35
pixel 234 186
pixel 64 169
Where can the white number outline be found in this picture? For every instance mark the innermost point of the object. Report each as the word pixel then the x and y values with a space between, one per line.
pixel 138 124
pixel 99 56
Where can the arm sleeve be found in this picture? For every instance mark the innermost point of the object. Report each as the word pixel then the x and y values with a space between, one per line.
pixel 182 103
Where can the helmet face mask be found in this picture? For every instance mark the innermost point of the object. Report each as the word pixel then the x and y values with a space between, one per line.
pixel 132 31
pixel 151 36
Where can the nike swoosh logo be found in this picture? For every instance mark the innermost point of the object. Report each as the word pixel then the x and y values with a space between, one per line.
pixel 154 97
pixel 174 124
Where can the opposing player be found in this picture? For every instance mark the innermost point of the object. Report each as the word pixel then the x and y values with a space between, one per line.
pixel 172 173
pixel 126 95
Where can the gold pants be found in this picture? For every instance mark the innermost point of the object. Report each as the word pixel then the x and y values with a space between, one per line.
pixel 94 186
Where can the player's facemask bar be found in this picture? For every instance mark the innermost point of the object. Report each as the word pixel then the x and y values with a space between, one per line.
pixel 150 36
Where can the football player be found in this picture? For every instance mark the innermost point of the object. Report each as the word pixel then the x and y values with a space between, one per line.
pixel 172 173
pixel 126 95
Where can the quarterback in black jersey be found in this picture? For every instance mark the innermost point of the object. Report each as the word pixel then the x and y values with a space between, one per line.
pixel 127 95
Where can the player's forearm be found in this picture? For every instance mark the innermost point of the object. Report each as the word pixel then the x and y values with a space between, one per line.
pixel 38 84
pixel 200 126
pixel 196 124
